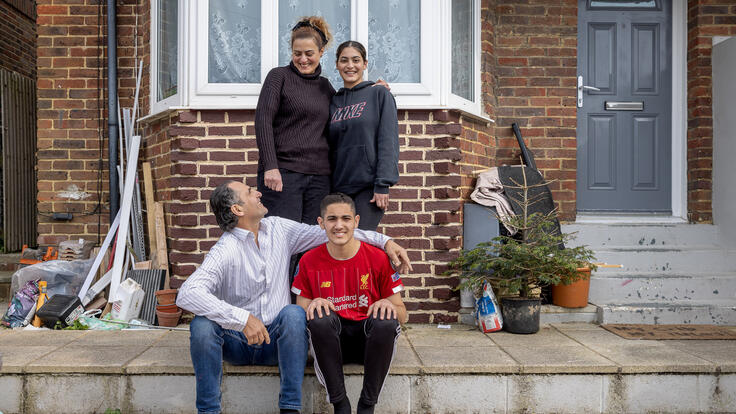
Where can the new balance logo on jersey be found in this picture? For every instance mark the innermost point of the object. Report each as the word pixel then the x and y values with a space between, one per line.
pixel 325 284
pixel 363 301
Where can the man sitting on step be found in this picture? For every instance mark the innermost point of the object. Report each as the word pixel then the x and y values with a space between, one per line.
pixel 240 295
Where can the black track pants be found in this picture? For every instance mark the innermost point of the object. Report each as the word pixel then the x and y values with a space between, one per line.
pixel 335 340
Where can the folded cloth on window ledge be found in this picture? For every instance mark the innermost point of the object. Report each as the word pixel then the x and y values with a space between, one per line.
pixel 489 192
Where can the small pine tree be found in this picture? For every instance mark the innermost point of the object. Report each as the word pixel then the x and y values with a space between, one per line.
pixel 521 264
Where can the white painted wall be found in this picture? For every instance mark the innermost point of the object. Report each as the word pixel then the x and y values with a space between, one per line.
pixel 724 138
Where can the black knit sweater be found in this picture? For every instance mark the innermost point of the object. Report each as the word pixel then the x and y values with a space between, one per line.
pixel 291 121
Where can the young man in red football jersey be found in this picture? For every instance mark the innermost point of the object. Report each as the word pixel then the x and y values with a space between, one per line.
pixel 352 298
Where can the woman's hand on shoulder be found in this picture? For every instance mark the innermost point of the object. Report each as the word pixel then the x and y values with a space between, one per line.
pixel 272 179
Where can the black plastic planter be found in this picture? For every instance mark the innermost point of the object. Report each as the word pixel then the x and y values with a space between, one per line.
pixel 521 315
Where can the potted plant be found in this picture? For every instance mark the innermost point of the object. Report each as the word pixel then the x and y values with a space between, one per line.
pixel 521 264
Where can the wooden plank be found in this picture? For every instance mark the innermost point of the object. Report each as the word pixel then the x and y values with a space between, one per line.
pixel 148 187
pixel 161 252
pixel 142 265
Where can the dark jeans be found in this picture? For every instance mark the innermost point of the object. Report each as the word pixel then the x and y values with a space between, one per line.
pixel 210 344
pixel 370 214
pixel 299 198
pixel 371 342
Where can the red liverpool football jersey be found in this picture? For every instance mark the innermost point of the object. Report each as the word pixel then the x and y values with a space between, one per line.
pixel 351 285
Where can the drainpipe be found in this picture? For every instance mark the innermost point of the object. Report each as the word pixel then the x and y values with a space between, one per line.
pixel 112 108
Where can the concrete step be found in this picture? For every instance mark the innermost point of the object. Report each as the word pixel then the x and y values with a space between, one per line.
pixel 661 288
pixel 643 234
pixel 5 278
pixel 693 260
pixel 711 313
pixel 558 314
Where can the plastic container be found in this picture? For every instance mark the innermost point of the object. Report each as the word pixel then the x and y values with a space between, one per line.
pixel 128 301
pixel 574 295
pixel 60 308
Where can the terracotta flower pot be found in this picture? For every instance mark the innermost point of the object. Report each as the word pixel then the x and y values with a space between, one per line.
pixel 574 295
pixel 166 296
pixel 172 308
pixel 168 319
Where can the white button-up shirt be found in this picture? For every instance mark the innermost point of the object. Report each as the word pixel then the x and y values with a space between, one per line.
pixel 238 278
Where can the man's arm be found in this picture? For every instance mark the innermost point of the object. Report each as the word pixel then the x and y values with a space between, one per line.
pixel 196 294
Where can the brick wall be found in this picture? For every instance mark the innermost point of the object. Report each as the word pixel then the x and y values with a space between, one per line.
pixel 705 20
pixel 72 107
pixel 536 60
pixel 18 37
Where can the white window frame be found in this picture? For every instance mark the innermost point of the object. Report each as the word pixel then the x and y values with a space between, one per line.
pixel 176 99
pixel 432 92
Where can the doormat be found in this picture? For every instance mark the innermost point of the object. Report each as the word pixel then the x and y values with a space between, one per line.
pixel 638 331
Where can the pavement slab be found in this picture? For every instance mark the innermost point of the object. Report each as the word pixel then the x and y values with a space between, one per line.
pixel 601 338
pixel 721 353
pixel 174 338
pixel 432 336
pixel 130 337
pixel 14 358
pixel 638 359
pixel 560 359
pixel 162 360
pixel 39 337
pixel 545 337
pixel 86 360
pixel 465 359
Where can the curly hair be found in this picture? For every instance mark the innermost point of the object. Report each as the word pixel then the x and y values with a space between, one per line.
pixel 221 199
pixel 312 27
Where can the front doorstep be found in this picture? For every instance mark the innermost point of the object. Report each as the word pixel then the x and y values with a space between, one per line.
pixel 567 367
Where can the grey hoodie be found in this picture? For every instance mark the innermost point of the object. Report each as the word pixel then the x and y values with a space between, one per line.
pixel 364 139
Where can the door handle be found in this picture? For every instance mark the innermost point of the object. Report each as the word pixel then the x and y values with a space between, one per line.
pixel 582 88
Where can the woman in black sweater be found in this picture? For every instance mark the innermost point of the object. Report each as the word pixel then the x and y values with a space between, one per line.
pixel 291 119
pixel 364 138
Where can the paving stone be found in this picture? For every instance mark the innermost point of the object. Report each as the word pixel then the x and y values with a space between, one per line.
pixel 459 394
pixel 647 359
pixel 71 394
pixel 162 360
pixel 555 393
pixel 39 338
pixel 11 394
pixel 545 336
pixel 451 360
pixel 657 393
pixel 119 338
pixel 14 358
pixel 432 336
pixel 163 394
pixel 595 339
pixel 719 352
pixel 562 359
pixel 576 326
pixel 86 359
pixel 174 338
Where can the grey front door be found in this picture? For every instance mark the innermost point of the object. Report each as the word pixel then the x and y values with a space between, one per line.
pixel 624 128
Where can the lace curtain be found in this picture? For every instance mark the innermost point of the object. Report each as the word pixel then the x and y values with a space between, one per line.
pixel 462 48
pixel 393 40
pixel 167 48
pixel 337 14
pixel 234 41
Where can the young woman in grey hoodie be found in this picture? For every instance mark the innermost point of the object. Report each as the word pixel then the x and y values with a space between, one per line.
pixel 363 138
